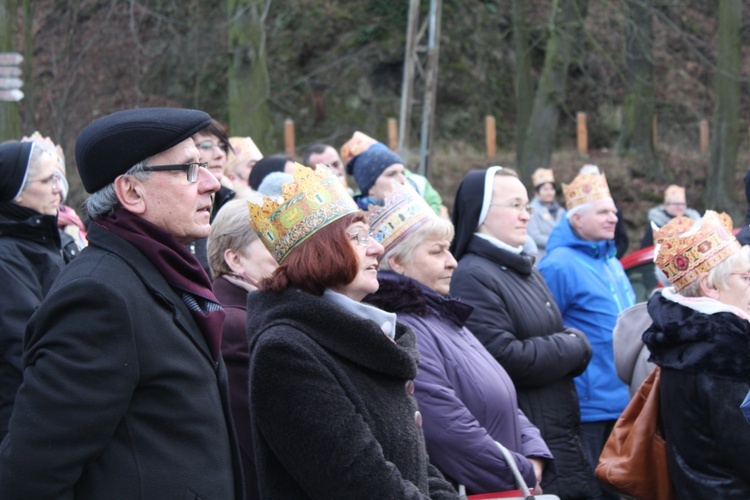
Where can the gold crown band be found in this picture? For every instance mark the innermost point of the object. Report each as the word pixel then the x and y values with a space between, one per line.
pixel 315 199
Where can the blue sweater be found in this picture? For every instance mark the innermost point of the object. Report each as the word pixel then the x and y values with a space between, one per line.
pixel 591 290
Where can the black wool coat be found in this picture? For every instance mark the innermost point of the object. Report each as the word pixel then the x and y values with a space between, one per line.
pixel 30 260
pixel 121 398
pixel 705 375
pixel 332 404
pixel 516 319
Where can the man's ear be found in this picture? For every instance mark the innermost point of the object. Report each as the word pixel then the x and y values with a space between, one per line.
pixel 710 291
pixel 129 191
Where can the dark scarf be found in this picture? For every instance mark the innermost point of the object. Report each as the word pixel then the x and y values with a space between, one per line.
pixel 178 266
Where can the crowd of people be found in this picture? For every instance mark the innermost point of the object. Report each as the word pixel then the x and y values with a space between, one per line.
pixel 232 325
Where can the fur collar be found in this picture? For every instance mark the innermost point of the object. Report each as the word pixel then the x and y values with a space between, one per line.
pixel 689 340
pixel 403 295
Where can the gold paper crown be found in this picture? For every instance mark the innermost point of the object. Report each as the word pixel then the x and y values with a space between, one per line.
pixel 684 257
pixel 675 227
pixel 674 193
pixel 585 188
pixel 315 199
pixel 358 143
pixel 542 176
pixel 49 146
pixel 403 212
pixel 244 151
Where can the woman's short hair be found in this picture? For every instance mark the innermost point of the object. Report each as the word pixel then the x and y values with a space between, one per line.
pixel 403 252
pixel 230 230
pixel 719 275
pixel 324 260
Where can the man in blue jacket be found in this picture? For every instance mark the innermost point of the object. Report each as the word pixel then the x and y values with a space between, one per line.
pixel 591 290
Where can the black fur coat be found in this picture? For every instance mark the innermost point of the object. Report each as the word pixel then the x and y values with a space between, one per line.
pixel 705 361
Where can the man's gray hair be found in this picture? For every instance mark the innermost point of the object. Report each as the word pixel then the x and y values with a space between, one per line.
pixel 104 202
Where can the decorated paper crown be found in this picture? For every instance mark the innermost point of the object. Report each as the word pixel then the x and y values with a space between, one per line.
pixel 358 143
pixel 585 188
pixel 403 212
pixel 684 257
pixel 244 151
pixel 675 227
pixel 542 176
pixel 315 199
pixel 49 146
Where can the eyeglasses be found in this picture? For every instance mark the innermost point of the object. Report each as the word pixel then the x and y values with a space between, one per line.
pixel 208 146
pixel 362 236
pixel 516 206
pixel 55 179
pixel 191 168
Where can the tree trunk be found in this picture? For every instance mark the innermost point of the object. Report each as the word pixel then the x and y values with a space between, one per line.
pixel 523 85
pixel 10 127
pixel 248 83
pixel 722 165
pixel 636 135
pixel 539 141
pixel 29 124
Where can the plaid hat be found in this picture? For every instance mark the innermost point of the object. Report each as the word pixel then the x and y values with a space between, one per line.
pixel 14 164
pixel 370 163
pixel 112 144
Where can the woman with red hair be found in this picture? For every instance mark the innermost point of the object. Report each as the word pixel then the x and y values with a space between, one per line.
pixel 331 379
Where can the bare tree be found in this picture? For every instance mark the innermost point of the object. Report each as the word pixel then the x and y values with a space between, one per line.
pixel 722 165
pixel 523 86
pixel 248 82
pixel 539 142
pixel 9 119
pixel 636 137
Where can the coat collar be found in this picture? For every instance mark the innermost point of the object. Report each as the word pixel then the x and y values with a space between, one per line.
pixel 358 340
pixel 401 294
pixel 521 263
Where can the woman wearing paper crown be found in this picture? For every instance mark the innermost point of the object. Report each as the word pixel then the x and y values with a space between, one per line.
pixel 701 340
pixel 547 211
pixel 30 252
pixel 466 398
pixel 331 379
pixel 517 320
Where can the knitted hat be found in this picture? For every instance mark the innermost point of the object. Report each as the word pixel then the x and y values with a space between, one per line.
pixel 266 165
pixel 370 163
pixel 109 146
pixel 14 164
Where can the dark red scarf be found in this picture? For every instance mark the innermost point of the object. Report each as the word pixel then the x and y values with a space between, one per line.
pixel 178 266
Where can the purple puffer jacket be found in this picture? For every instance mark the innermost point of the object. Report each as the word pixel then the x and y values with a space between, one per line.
pixel 467 399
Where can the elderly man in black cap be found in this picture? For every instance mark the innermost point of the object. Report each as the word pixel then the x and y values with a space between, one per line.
pixel 124 390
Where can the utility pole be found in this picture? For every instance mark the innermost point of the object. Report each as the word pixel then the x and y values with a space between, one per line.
pixel 420 78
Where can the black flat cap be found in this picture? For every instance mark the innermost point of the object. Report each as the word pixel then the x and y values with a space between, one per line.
pixel 14 162
pixel 110 145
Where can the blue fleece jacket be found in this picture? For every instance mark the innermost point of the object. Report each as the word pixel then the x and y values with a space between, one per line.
pixel 591 290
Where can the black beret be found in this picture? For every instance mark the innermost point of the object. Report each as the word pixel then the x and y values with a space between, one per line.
pixel 109 146
pixel 14 162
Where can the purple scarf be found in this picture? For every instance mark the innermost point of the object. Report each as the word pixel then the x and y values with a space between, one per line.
pixel 178 266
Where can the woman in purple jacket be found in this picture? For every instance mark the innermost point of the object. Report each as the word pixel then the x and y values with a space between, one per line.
pixel 467 400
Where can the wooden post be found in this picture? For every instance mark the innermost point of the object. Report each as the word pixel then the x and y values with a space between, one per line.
pixel 656 135
pixel 583 134
pixel 289 137
pixel 490 136
pixel 393 134
pixel 704 135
